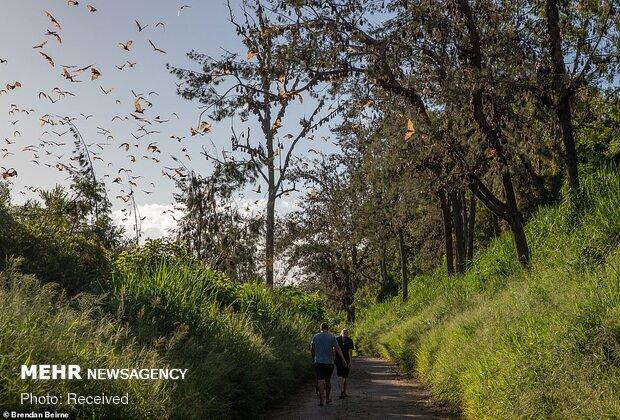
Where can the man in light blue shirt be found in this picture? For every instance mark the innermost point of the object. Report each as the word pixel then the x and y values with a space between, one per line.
pixel 323 348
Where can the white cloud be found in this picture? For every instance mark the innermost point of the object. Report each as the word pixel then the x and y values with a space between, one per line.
pixel 158 220
pixel 288 205
pixel 255 207
pixel 252 207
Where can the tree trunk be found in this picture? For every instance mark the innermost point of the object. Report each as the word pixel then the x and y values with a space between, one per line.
pixel 269 239
pixel 497 141
pixel 347 301
pixel 404 269
pixel 471 221
pixel 459 239
pixel 269 132
pixel 447 231
pixel 508 211
pixel 464 215
pixel 563 97
pixel 198 196
pixel 515 221
pixel 352 286
pixel 350 314
pixel 564 113
pixel 385 280
pixel 520 240
pixel 384 273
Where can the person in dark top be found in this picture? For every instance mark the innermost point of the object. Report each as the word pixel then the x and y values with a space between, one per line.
pixel 343 366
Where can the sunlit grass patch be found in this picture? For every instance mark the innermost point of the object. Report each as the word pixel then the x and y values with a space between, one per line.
pixel 244 345
pixel 503 342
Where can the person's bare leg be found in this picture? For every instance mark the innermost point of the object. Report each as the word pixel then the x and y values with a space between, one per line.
pixel 328 388
pixel 341 382
pixel 345 384
pixel 322 391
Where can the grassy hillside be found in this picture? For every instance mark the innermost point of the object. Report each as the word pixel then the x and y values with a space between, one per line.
pixel 39 324
pixel 503 342
pixel 243 345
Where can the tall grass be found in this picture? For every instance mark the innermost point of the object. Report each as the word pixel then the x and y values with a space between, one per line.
pixel 244 345
pixel 504 342
pixel 39 325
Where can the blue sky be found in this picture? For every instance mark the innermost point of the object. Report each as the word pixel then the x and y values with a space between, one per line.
pixel 92 38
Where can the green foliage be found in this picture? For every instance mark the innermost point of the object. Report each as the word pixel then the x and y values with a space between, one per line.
pixel 38 324
pixel 149 255
pixel 297 300
pixel 503 342
pixel 244 345
pixel 214 230
pixel 597 122
pixel 388 289
pixel 51 248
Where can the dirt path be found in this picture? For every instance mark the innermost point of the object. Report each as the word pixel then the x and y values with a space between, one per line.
pixel 375 391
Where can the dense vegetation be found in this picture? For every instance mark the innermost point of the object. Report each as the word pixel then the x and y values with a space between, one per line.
pixel 504 342
pixel 151 306
pixel 39 324
pixel 466 223
pixel 244 344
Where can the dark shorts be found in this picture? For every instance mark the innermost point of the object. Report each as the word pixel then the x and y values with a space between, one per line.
pixel 341 371
pixel 323 371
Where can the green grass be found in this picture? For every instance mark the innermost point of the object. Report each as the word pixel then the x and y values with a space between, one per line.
pixel 244 345
pixel 504 342
pixel 39 325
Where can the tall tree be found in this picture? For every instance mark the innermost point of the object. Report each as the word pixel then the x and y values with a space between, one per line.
pixel 418 51
pixel 263 83
pixel 446 212
pixel 89 204
pixel 212 227
pixel 394 179
pixel 586 34
pixel 321 239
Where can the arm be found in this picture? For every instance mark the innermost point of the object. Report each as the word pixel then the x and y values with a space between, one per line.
pixel 337 348
pixel 351 347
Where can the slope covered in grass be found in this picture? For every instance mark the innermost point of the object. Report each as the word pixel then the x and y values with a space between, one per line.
pixel 39 324
pixel 243 344
pixel 503 342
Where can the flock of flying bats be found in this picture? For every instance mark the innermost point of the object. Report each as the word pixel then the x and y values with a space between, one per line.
pixel 56 127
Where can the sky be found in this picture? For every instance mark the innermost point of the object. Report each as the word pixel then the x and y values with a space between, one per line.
pixel 93 38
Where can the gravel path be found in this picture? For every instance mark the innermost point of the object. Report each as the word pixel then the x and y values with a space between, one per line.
pixel 376 391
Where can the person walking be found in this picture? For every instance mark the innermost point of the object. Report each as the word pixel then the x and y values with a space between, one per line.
pixel 323 348
pixel 343 365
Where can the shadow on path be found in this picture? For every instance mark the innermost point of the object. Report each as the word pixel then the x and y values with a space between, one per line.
pixel 375 391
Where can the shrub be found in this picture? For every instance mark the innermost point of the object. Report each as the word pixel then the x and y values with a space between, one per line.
pixel 50 251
